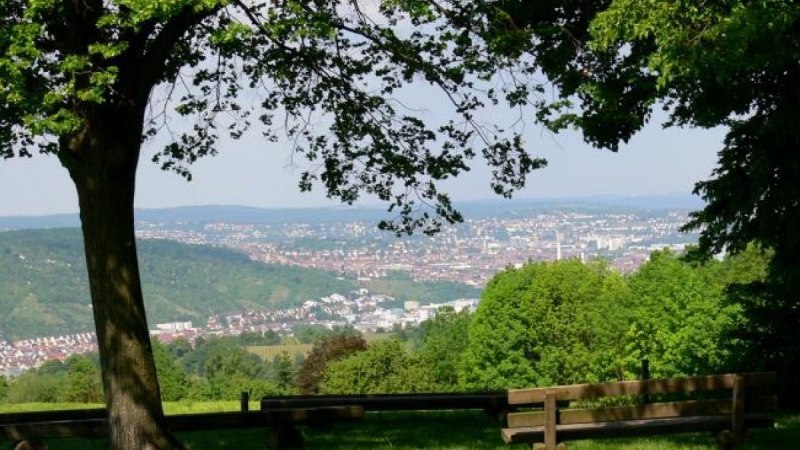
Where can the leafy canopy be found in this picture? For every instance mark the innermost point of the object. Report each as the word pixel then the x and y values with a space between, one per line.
pixel 383 367
pixel 331 69
pixel 734 64
pixel 715 63
pixel 546 324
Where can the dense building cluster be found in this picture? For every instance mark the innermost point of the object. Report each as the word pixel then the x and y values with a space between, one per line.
pixel 358 309
pixel 19 356
pixel 469 253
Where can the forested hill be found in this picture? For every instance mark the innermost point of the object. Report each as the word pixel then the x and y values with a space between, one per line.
pixel 44 287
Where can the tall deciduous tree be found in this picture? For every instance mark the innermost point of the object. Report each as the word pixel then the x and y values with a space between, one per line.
pixel 734 64
pixel 78 79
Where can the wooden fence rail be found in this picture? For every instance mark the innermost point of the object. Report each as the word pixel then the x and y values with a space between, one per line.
pixel 35 426
pixel 487 401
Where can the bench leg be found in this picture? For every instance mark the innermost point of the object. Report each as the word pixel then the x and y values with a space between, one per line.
pixel 727 441
pixel 541 446
pixel 287 437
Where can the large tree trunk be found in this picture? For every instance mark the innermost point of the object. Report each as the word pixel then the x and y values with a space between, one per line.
pixel 102 161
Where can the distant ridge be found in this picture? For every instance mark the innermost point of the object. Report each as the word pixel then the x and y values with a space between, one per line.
pixel 373 213
pixel 32 222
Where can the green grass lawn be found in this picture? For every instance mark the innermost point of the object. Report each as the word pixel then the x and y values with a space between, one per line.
pixel 465 430
pixel 182 407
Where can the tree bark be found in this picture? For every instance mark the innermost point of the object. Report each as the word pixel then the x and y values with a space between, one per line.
pixel 102 160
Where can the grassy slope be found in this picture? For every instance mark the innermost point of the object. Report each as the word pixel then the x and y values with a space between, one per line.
pixel 437 431
pixel 44 290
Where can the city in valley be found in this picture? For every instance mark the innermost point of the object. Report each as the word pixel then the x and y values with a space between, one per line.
pixel 469 253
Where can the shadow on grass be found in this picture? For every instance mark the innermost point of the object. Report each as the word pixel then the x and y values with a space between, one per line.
pixel 430 430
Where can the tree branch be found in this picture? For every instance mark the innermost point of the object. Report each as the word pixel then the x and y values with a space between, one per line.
pixel 154 59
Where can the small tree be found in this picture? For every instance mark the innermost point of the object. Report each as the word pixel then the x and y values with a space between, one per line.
pixel 3 389
pixel 445 338
pixel 326 350
pixel 83 381
pixel 32 387
pixel 282 371
pixel 384 367
pixel 173 381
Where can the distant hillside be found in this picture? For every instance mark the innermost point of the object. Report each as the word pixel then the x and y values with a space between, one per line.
pixel 44 287
pixel 471 209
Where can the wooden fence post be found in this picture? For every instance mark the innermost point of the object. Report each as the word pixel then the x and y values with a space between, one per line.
pixel 645 375
pixel 244 401
pixel 737 420
pixel 551 416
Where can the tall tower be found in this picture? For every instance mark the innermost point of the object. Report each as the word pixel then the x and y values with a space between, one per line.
pixel 558 246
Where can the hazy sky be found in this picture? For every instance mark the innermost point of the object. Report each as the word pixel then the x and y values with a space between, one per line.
pixel 251 172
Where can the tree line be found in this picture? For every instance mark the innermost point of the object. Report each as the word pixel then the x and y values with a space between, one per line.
pixel 563 322
pixel 541 324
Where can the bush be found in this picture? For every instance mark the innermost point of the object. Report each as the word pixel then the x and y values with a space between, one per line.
pixel 384 367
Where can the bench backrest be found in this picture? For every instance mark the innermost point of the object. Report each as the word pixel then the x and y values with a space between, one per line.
pixel 736 384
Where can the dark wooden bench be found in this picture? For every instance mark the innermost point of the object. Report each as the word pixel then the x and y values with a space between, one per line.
pixel 726 405
pixel 27 430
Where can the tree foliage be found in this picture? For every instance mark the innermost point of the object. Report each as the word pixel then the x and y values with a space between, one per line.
pixel 566 322
pixel 547 324
pixel 3 389
pixel 730 64
pixel 725 63
pixel 384 367
pixel 83 381
pixel 325 351
pixel 338 63
pixel 172 380
pixel 681 320
pixel 444 340
pixel 310 334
